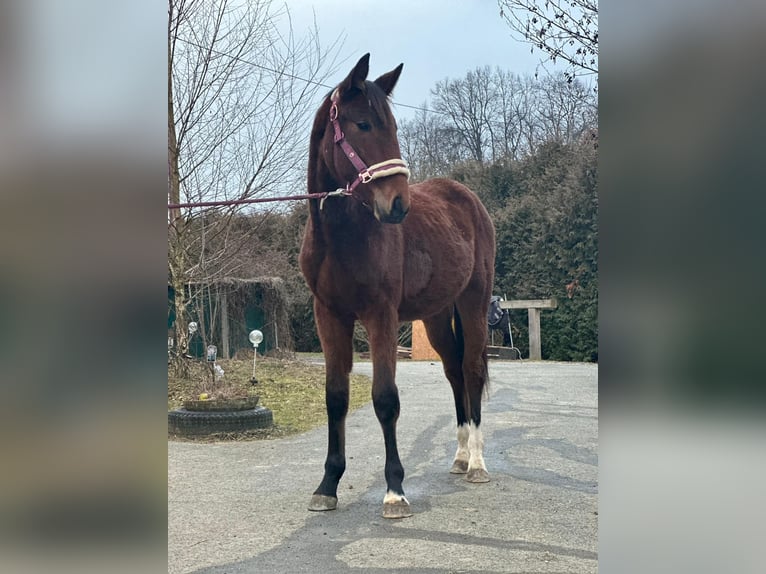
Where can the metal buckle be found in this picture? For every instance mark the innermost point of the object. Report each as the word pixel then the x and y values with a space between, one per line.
pixel 365 176
pixel 337 193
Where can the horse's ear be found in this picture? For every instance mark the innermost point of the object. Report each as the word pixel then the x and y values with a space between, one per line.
pixel 357 76
pixel 387 81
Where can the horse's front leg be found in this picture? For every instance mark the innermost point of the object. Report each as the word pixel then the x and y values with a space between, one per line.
pixel 335 334
pixel 382 333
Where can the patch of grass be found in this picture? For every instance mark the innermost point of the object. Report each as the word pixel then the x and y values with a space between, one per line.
pixel 292 389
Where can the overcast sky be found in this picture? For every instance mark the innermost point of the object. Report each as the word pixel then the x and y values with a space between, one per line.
pixel 435 39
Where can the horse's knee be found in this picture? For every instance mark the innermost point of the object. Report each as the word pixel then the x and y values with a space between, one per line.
pixel 386 403
pixel 337 404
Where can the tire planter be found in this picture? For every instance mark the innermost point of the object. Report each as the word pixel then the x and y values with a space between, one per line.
pixel 214 419
pixel 222 404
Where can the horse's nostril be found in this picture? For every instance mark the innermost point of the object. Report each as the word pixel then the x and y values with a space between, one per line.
pixel 396 207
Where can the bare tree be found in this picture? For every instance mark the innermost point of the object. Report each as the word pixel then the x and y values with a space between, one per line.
pixel 467 102
pixel 240 95
pixel 564 30
pixel 490 116
pixel 430 144
pixel 564 109
pixel 510 111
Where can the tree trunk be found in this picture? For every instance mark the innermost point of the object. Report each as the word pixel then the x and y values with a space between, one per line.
pixel 176 258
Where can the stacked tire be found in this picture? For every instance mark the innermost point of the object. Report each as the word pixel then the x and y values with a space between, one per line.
pixel 195 423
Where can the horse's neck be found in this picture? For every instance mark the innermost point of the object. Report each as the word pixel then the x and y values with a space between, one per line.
pixel 341 222
pixel 335 220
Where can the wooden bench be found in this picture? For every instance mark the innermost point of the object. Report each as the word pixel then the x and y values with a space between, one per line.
pixel 533 306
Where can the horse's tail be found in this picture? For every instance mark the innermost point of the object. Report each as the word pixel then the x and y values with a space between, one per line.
pixel 457 329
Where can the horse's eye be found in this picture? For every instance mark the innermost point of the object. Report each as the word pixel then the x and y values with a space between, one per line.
pixel 364 126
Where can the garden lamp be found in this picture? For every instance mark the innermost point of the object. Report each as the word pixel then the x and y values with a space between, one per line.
pixel 256 337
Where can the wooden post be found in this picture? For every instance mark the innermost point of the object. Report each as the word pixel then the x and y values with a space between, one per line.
pixel 421 347
pixel 225 323
pixel 535 348
pixel 533 307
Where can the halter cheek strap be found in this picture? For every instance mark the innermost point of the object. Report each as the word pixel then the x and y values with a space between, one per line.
pixel 365 174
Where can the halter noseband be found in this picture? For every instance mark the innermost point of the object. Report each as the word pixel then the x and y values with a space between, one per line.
pixel 365 174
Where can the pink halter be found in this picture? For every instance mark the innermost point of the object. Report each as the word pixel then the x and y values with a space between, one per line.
pixel 365 174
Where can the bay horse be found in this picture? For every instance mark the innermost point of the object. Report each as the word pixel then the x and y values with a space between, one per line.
pixel 378 250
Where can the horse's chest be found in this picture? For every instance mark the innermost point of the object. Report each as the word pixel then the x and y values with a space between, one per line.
pixel 353 284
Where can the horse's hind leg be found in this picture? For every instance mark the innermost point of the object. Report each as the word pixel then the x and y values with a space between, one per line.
pixel 472 307
pixel 335 334
pixel 441 335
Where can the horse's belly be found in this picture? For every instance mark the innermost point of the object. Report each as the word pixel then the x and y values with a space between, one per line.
pixel 433 280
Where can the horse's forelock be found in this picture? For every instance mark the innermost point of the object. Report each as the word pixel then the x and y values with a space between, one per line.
pixel 380 102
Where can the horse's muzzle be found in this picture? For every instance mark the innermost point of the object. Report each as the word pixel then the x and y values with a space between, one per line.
pixel 396 214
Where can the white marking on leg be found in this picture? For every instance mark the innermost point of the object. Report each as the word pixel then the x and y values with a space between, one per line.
pixel 462 453
pixel 476 448
pixel 393 498
pixel 396 506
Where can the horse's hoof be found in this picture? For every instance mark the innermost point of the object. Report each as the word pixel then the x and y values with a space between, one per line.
pixel 320 502
pixel 459 467
pixel 398 509
pixel 477 475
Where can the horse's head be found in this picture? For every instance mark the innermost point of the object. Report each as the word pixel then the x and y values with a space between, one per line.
pixel 359 147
